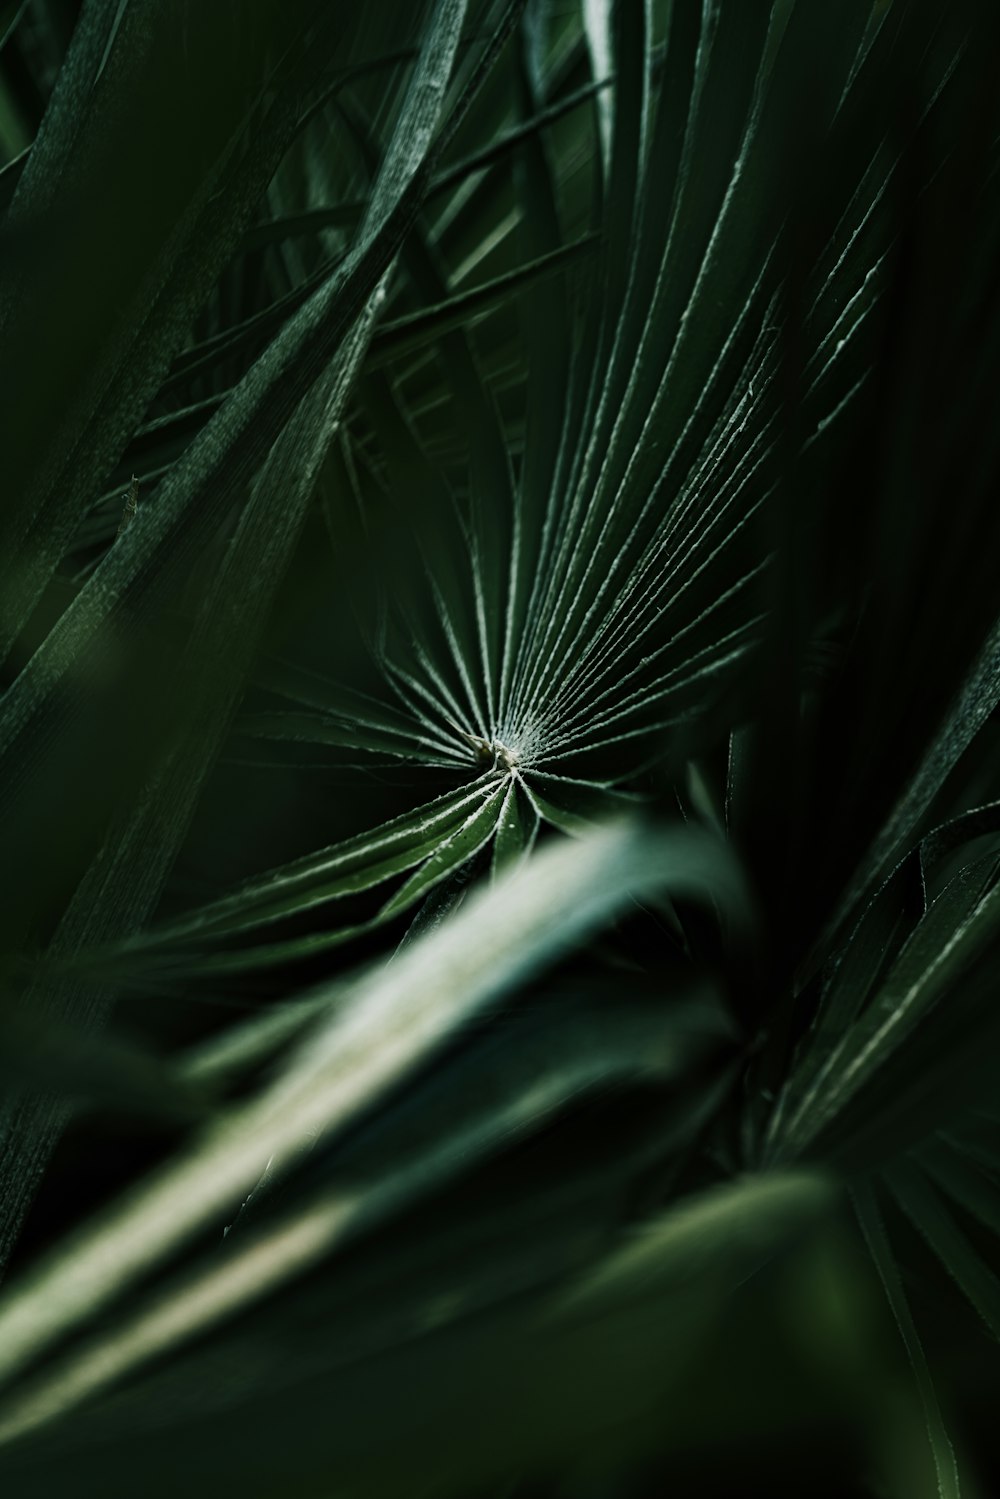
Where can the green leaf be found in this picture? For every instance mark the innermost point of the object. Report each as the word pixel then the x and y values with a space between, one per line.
pixel 331 873
pixel 878 1245
pixel 119 890
pixel 383 1028
pixel 922 1205
pixel 571 806
pixel 942 946
pixel 975 701
pixel 538 1066
pixel 10 14
pixel 517 827
pixel 179 201
pixel 477 829
pixel 731 1228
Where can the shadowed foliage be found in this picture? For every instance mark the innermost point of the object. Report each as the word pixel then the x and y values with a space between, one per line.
pixel 499 659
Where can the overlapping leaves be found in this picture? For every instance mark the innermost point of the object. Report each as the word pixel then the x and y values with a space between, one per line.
pixel 579 400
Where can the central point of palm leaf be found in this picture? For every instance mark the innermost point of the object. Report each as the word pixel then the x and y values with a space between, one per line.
pixel 492 751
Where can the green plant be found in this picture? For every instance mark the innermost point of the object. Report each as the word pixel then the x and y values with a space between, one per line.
pixel 500 637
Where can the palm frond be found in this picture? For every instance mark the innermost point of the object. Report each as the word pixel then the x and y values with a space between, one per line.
pixel 497 740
